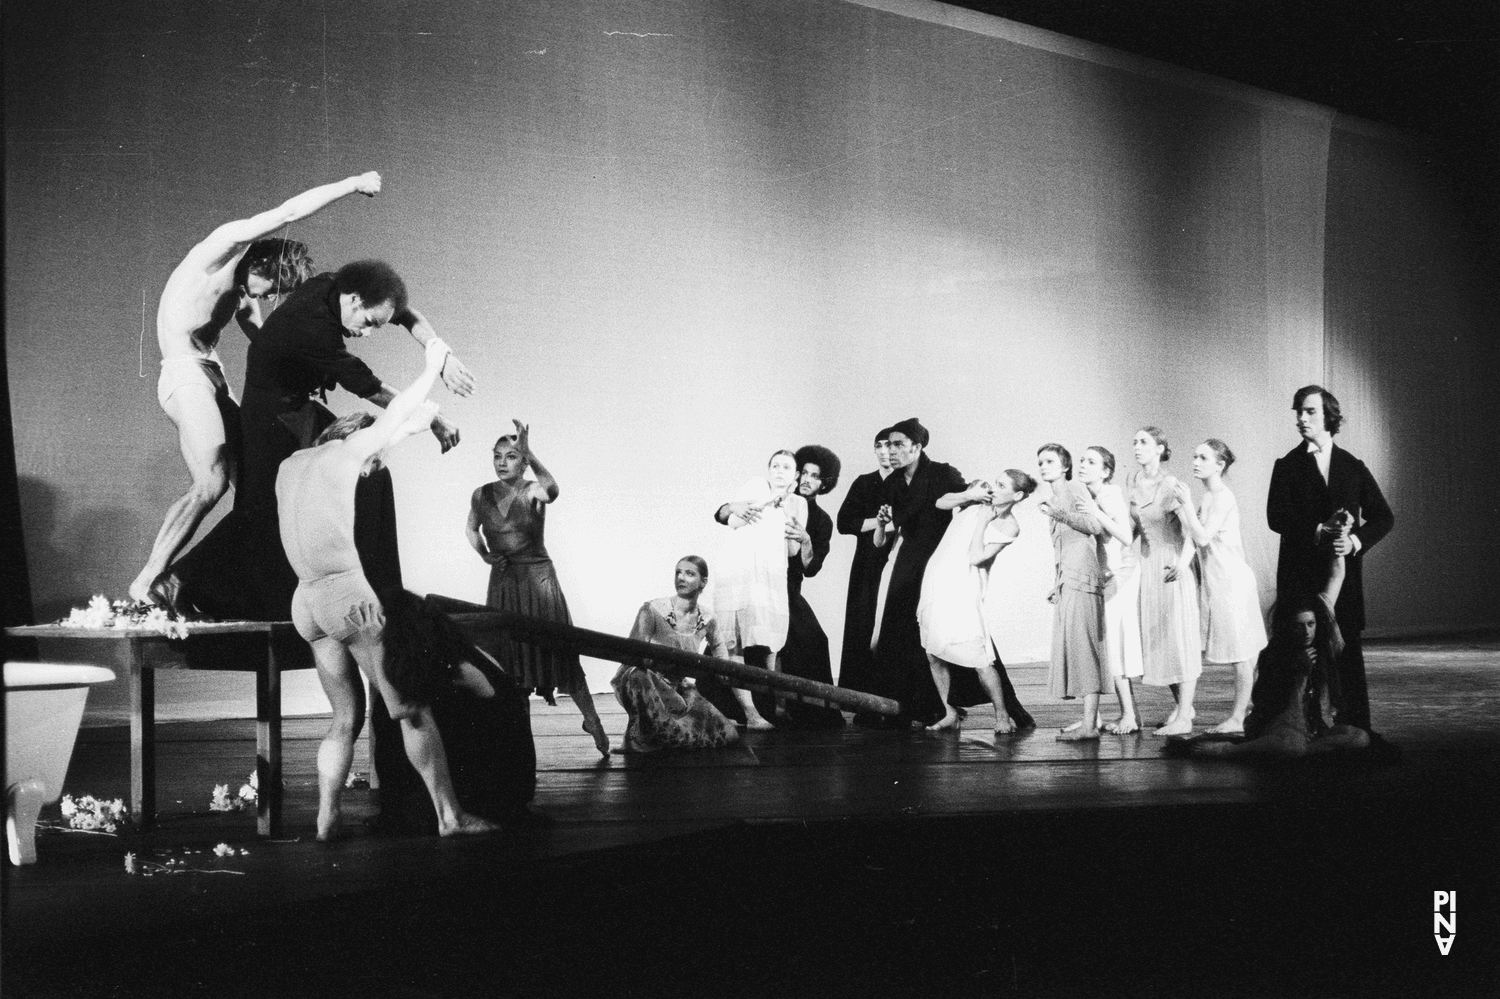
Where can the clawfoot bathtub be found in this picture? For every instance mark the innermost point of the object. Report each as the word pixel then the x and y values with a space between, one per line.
pixel 43 706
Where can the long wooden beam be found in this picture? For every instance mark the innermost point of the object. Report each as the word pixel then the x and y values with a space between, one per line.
pixel 484 627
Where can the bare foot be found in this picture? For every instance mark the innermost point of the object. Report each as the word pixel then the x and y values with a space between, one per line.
pixel 1123 726
pixel 758 723
pixel 140 590
pixel 1004 723
pixel 601 740
pixel 1230 726
pixel 1079 724
pixel 468 825
pixel 1180 726
pixel 950 720
pixel 1078 733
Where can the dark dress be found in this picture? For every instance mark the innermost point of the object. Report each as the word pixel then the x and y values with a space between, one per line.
pixel 1297 502
pixel 238 570
pixel 526 583
pixel 806 651
pixel 866 494
pixel 900 667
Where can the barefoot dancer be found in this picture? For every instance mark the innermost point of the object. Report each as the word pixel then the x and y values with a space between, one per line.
pixel 950 612
pixel 1103 499
pixel 1171 645
pixel 506 520
pixel 1229 601
pixel 1079 666
pixel 199 298
pixel 750 596
pixel 335 609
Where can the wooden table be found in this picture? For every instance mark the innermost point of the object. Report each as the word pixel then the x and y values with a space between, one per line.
pixel 265 648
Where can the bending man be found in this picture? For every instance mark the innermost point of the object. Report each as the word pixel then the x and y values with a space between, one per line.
pixel 200 297
pixel 335 609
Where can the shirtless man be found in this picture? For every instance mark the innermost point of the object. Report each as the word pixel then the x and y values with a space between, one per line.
pixel 338 613
pixel 200 297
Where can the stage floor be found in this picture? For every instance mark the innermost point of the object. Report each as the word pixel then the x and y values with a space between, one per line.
pixel 896 808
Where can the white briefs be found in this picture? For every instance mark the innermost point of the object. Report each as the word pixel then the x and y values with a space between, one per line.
pixel 191 369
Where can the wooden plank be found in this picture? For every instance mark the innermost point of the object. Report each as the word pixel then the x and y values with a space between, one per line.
pixel 268 744
pixel 483 625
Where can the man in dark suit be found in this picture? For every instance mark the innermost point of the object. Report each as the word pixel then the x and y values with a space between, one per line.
pixel 1308 486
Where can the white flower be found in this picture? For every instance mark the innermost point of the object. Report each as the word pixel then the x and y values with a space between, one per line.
pixel 129 863
pixel 68 806
pixel 223 850
pixel 221 802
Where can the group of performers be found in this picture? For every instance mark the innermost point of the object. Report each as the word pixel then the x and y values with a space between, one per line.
pixel 1146 585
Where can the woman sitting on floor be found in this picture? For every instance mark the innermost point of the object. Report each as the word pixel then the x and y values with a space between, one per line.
pixel 1296 670
pixel 668 712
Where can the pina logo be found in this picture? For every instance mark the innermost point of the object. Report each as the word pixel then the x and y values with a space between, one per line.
pixel 1445 927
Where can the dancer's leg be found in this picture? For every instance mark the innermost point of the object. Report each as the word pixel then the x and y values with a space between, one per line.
pixel 340 680
pixel 754 720
pixel 944 682
pixel 591 723
pixel 200 435
pixel 1181 722
pixel 1087 727
pixel 423 744
pixel 1129 721
pixel 1244 679
pixel 989 679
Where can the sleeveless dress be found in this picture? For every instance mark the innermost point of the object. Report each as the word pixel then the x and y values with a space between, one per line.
pixel 526 583
pixel 750 595
pixel 1122 597
pixel 1229 601
pixel 1170 638
pixel 665 714
pixel 950 612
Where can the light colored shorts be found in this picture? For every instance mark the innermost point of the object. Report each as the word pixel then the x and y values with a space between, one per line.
pixel 341 607
pixel 191 369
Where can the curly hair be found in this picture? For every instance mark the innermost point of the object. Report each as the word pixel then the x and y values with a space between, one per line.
pixel 828 463
pixel 283 262
pixel 374 281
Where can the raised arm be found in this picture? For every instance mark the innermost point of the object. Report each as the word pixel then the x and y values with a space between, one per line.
pixel 1111 511
pixel 1084 523
pixel 982 554
pixel 977 491
pixel 544 489
pixel 231 238
pixel 408 412
pixel 1336 572
pixel 1187 516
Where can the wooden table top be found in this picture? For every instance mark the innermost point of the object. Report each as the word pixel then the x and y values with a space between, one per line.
pixel 194 628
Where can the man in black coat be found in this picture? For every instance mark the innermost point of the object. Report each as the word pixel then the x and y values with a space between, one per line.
pixel 1309 484
pixel 900 668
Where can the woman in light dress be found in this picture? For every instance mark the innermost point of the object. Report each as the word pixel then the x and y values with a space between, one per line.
pixel 1122 627
pixel 668 712
pixel 766 518
pixel 1229 601
pixel 950 612
pixel 1171 649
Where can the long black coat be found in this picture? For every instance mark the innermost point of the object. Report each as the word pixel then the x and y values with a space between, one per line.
pixel 1299 500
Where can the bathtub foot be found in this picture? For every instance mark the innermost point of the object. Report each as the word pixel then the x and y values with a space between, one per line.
pixel 20 820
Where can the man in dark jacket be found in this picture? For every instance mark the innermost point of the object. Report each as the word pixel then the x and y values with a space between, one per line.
pixel 1309 484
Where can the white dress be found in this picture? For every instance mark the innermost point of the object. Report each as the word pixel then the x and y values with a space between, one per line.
pixel 1122 598
pixel 950 612
pixel 750 595
pixel 1229 600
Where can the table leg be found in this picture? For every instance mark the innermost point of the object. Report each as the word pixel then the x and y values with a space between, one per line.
pixel 142 738
pixel 268 745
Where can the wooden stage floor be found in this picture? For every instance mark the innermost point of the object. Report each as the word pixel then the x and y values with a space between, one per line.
pixel 977 865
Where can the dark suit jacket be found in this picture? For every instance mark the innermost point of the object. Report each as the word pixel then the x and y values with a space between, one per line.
pixel 1300 500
